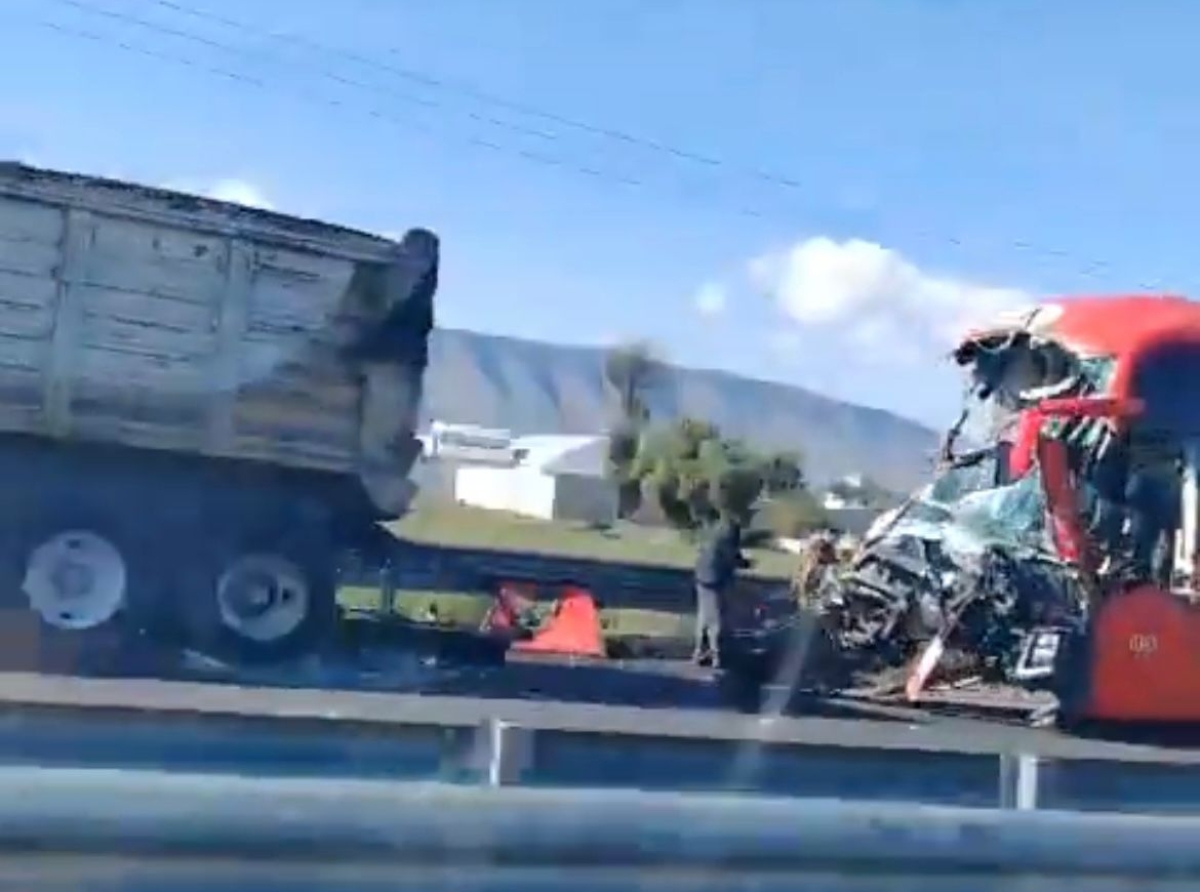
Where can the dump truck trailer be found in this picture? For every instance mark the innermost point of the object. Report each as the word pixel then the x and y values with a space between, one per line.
pixel 201 406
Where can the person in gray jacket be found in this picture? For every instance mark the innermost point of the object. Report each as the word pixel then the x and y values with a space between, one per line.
pixel 716 567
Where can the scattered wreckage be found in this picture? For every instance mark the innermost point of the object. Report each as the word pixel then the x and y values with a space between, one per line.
pixel 1048 555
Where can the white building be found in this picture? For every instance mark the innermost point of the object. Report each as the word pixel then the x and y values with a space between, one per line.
pixel 468 443
pixel 847 493
pixel 553 477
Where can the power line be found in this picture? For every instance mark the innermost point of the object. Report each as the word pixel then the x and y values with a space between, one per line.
pixel 193 37
pixel 260 83
pixel 543 158
pixel 489 98
pixel 1090 268
pixel 414 76
pixel 538 157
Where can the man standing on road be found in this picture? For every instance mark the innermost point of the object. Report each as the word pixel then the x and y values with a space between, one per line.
pixel 716 566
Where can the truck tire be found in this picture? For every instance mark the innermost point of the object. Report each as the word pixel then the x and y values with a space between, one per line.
pixel 80 571
pixel 262 598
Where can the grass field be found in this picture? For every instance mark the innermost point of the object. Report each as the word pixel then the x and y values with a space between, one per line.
pixel 457 525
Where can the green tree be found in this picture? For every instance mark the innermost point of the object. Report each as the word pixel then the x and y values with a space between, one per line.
pixel 623 445
pixel 697 476
pixel 669 462
pixel 783 472
pixel 793 514
pixel 738 489
pixel 694 476
pixel 632 370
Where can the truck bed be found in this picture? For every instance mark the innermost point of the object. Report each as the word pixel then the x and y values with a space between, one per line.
pixel 157 320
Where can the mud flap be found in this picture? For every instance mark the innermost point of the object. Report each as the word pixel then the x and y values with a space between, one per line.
pixel 387 445
pixel 390 352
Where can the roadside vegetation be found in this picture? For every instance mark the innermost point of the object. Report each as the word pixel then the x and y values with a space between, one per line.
pixel 447 524
pixel 684 474
pixel 674 480
pixel 625 542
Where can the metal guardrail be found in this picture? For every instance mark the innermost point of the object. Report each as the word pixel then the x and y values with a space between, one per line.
pixel 537 744
pixel 505 838
pixel 507 754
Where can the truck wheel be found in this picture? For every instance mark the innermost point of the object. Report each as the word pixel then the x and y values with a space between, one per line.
pixel 262 602
pixel 76 579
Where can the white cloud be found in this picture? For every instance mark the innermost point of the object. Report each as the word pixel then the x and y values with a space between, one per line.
pixel 710 300
pixel 239 192
pixel 229 189
pixel 875 296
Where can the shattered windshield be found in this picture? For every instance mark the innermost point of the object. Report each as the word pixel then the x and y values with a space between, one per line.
pixel 1013 514
pixel 982 425
pixel 968 517
pixel 967 496
pixel 968 500
pixel 985 421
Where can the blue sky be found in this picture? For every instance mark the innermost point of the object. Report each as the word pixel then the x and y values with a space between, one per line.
pixel 923 159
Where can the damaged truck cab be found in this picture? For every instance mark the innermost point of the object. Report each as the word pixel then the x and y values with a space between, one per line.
pixel 1056 545
pixel 1120 469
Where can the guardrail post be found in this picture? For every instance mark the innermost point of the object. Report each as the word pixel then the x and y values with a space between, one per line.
pixel 1018 781
pixel 387 590
pixel 505 751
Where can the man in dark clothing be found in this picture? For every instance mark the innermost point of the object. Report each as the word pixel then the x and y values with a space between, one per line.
pixel 716 566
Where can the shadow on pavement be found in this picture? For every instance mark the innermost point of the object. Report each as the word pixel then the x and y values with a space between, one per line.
pixel 410 658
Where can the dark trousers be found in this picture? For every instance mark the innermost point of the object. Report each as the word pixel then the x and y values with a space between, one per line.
pixel 709 601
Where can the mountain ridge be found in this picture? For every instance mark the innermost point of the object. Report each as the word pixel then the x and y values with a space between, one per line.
pixel 528 387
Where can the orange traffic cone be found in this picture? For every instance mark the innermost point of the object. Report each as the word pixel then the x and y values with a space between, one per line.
pixel 573 628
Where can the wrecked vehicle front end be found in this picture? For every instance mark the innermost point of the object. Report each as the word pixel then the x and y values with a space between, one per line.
pixel 966 578
pixel 971 576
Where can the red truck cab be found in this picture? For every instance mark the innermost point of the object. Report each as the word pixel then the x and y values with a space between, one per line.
pixel 1136 660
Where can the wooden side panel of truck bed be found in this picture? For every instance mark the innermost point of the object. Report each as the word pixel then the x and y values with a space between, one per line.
pixel 155 320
